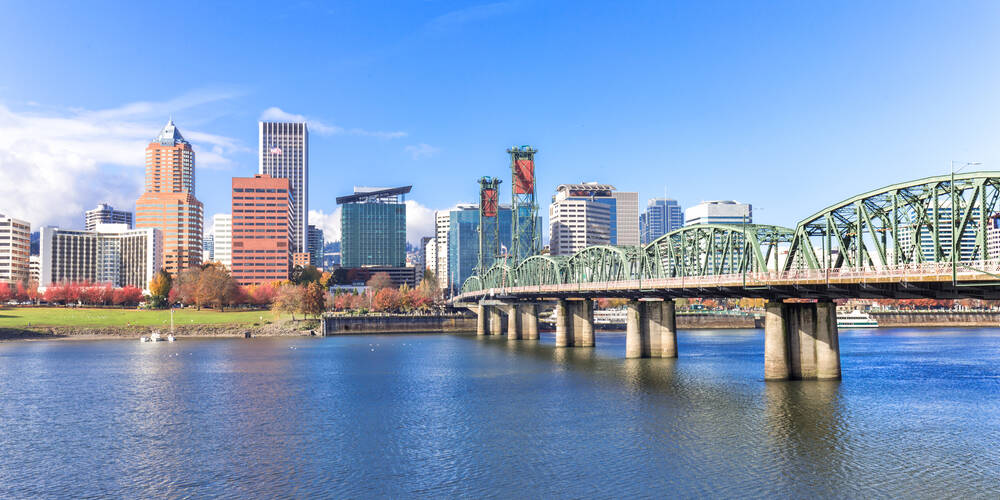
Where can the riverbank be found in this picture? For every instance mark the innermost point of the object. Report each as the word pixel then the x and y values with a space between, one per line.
pixel 403 323
pixel 282 328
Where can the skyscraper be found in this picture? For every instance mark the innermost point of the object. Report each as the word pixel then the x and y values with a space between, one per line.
pixel 262 212
pixel 662 216
pixel 442 225
pixel 284 153
pixel 106 214
pixel 719 212
pixel 316 244
pixel 222 232
pixel 463 243
pixel 373 227
pixel 169 202
pixel 577 220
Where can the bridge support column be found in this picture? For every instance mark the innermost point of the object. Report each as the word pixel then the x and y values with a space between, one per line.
pixel 563 321
pixel 583 323
pixel 634 330
pixel 776 362
pixel 514 322
pixel 482 320
pixel 498 321
pixel 652 324
pixel 668 330
pixel 827 342
pixel 529 321
pixel 801 341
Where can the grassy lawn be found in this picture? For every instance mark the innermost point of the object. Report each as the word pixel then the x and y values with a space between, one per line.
pixel 19 317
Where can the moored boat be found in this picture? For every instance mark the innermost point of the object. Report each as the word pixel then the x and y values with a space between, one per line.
pixel 856 319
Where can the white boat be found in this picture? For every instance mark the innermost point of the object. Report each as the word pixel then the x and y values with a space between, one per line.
pixel 171 338
pixel 856 319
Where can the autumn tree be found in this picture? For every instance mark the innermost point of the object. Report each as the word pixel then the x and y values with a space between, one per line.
pixel 305 275
pixel 215 287
pixel 6 293
pixel 159 287
pixel 386 299
pixel 288 300
pixel 313 299
pixel 380 281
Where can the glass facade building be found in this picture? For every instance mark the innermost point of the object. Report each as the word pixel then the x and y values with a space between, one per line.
pixel 662 216
pixel 463 243
pixel 373 234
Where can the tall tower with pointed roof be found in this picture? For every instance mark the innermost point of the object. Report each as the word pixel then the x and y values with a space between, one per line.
pixel 169 202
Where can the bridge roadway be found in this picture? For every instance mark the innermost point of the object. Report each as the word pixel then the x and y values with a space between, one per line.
pixel 894 242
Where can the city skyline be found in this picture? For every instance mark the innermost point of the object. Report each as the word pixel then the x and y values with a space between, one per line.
pixel 819 119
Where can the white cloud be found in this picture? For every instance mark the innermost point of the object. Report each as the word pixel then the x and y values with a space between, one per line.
pixel 57 163
pixel 277 114
pixel 419 222
pixel 421 150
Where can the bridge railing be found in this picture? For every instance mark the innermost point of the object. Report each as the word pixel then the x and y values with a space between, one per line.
pixel 927 271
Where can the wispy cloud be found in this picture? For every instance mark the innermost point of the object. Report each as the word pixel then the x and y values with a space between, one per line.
pixel 469 14
pixel 82 157
pixel 322 128
pixel 421 150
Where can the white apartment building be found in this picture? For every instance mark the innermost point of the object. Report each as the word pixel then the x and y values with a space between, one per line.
pixel 105 214
pixel 284 152
pixel 442 224
pixel 15 249
pixel 222 234
pixel 112 253
pixel 719 212
pixel 35 268
pixel 575 224
pixel 430 255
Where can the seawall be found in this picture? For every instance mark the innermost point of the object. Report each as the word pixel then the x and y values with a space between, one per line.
pixel 282 329
pixel 936 318
pixel 349 325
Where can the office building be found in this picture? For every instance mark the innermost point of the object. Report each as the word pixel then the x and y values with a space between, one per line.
pixel 15 250
pixel 662 216
pixel 222 236
pixel 373 227
pixel 463 243
pixel 627 218
pixel 316 244
pixel 966 243
pixel 284 153
pixel 111 253
pixel 442 224
pixel 106 214
pixel 719 212
pixel 577 217
pixel 422 257
pixel 261 229
pixel 208 248
pixel 169 202
pixel 35 268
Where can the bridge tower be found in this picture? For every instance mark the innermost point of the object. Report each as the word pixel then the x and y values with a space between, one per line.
pixel 524 239
pixel 489 223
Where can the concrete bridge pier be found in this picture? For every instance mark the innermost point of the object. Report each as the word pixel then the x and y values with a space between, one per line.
pixel 482 320
pixel 498 321
pixel 583 323
pixel 651 329
pixel 514 322
pixel 668 330
pixel 529 321
pixel 801 341
pixel 563 324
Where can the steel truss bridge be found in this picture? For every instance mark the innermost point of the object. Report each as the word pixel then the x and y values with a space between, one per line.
pixel 893 242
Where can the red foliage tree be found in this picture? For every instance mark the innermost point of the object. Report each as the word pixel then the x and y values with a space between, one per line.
pixel 387 299
pixel 6 293
pixel 127 296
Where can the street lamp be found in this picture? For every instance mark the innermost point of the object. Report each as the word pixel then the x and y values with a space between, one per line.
pixel 954 219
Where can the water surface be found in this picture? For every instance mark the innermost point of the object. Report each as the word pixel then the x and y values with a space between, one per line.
pixel 917 415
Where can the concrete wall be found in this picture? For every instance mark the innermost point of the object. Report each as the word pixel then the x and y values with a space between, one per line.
pixel 346 325
pixel 935 318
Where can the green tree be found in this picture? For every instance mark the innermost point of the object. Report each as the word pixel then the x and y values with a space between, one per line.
pixel 305 275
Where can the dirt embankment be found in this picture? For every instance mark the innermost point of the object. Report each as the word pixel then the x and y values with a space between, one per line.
pixel 280 329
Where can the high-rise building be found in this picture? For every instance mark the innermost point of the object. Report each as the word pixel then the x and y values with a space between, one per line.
pixel 617 224
pixel 421 262
pixel 463 243
pixel 966 244
pixel 222 234
pixel 208 248
pixel 430 256
pixel 111 253
pixel 442 225
pixel 106 214
pixel 15 250
pixel 35 268
pixel 284 153
pixel 316 244
pixel 719 212
pixel 373 227
pixel 627 217
pixel 262 229
pixel 662 216
pixel 169 202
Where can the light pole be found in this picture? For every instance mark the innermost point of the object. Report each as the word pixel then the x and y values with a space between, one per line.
pixel 954 219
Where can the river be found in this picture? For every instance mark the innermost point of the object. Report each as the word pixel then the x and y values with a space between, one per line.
pixel 917 415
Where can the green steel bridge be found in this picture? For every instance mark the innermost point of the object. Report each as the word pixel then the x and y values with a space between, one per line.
pixel 936 237
pixel 893 242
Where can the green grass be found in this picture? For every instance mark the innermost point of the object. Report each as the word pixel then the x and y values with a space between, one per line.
pixel 21 317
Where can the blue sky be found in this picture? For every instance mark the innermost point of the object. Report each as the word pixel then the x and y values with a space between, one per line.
pixel 791 106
